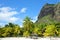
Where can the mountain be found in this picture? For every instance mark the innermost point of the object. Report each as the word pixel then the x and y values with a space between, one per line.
pixel 49 13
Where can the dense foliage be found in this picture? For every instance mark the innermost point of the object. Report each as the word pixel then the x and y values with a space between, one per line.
pixel 29 28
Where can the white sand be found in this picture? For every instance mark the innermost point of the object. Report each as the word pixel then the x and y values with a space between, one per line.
pixel 23 38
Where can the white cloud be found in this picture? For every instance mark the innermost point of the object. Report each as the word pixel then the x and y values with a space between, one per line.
pixel 13 19
pixel 2 24
pixel 34 19
pixel 23 10
pixel 4 9
pixel 7 14
pixel 21 26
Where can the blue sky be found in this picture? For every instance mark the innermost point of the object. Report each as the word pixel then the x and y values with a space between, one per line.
pixel 16 10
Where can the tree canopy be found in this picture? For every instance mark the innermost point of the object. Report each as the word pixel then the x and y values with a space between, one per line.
pixel 29 28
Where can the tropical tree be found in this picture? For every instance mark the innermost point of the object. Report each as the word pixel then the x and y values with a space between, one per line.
pixel 28 24
pixel 50 30
pixel 26 34
pixel 58 29
pixel 15 31
pixel 39 29
pixel 5 31
pixel 10 25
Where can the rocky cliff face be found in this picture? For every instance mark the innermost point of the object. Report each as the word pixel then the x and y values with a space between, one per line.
pixel 49 12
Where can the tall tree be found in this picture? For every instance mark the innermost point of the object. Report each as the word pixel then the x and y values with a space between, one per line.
pixel 15 31
pixel 58 29
pixel 50 30
pixel 28 25
pixel 5 31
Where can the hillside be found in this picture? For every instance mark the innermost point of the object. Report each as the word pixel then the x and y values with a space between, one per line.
pixel 49 13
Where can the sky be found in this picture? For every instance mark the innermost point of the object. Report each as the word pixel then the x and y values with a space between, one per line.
pixel 16 10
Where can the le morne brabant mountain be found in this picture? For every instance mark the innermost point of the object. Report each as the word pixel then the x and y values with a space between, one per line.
pixel 49 13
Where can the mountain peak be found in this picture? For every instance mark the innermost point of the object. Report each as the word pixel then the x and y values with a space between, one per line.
pixel 49 11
